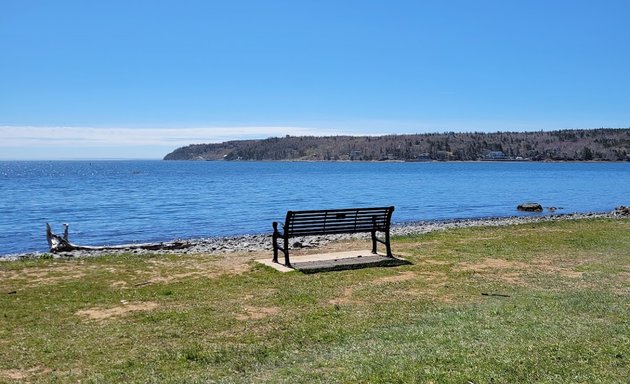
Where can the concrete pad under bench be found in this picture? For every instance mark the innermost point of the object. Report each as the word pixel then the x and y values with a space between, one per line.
pixel 336 261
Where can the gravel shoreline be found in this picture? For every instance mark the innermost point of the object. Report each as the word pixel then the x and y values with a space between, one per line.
pixel 262 242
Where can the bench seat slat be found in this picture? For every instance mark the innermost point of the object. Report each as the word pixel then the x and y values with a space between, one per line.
pixel 358 221
pixel 366 221
pixel 338 217
pixel 320 231
pixel 308 231
pixel 344 218
pixel 340 214
pixel 319 211
pixel 361 228
pixel 333 213
pixel 368 224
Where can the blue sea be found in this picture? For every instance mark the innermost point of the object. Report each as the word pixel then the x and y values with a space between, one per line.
pixel 115 202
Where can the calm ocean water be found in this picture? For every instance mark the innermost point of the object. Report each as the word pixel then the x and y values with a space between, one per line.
pixel 114 202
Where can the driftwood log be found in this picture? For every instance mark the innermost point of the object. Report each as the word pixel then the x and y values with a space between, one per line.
pixel 57 243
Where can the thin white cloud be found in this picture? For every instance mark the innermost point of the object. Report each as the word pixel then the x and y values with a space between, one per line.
pixel 38 137
pixel 62 143
pixel 24 136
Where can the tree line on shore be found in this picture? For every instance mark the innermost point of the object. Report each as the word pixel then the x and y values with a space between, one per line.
pixel 605 144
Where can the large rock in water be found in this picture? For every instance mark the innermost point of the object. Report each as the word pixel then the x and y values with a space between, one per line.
pixel 530 207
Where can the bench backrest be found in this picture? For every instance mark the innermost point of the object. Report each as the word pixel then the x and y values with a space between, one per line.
pixel 336 221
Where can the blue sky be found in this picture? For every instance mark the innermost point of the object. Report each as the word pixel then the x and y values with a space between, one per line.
pixel 136 79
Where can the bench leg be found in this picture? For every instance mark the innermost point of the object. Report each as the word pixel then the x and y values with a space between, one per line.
pixel 388 245
pixel 286 252
pixel 374 242
pixel 275 248
pixel 274 240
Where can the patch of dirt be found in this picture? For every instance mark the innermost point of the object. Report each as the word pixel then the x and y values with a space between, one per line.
pixel 58 272
pixel 257 313
pixel 38 276
pixel 162 278
pixel 122 310
pixel 432 275
pixel 489 264
pixel 14 374
pixel 403 276
pixel 260 294
pixel 509 271
pixel 23 374
pixel 547 266
pixel 470 239
pixel 528 230
pixel 332 247
pixel 437 262
pixel 166 277
pixel 427 293
pixel 157 271
pixel 200 267
pixel 513 278
pixel 481 238
pixel 8 275
pixel 513 271
pixel 344 298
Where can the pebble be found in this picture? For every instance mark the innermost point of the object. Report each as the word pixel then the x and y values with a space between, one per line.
pixel 262 242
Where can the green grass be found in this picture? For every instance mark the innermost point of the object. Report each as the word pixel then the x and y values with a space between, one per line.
pixel 546 302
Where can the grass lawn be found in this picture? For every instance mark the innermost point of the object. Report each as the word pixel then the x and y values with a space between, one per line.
pixel 546 302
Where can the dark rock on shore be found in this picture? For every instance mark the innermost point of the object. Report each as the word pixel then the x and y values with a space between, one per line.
pixel 621 211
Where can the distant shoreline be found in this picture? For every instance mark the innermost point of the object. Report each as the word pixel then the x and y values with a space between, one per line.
pixel 393 161
pixel 605 144
pixel 602 161
pixel 262 242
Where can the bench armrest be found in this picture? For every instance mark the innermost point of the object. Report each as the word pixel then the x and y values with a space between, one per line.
pixel 275 229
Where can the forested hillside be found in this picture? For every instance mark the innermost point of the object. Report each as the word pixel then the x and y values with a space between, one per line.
pixel 563 145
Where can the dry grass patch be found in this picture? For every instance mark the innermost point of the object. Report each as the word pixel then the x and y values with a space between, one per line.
pixel 402 276
pixel 35 277
pixel 344 298
pixel 517 272
pixel 196 267
pixel 492 264
pixel 429 293
pixel 346 295
pixel 124 309
pixel 23 375
pixel 550 266
pixel 431 284
pixel 511 272
pixel 339 246
pixel 257 313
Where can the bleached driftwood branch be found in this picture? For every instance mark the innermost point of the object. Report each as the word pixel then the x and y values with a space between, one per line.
pixel 58 243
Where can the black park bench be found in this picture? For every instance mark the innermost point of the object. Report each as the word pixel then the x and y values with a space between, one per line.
pixel 333 222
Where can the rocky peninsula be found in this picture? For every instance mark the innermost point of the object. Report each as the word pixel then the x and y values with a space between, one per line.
pixel 605 144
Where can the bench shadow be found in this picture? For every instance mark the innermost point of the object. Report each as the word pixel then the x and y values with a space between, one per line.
pixel 343 264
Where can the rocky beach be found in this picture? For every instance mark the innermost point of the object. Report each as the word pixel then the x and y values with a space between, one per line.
pixel 262 242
